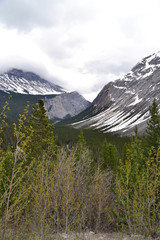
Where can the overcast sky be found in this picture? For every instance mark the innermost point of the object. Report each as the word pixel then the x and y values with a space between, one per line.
pixel 78 44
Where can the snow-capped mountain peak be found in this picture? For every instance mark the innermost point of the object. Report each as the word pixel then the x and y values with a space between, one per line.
pixel 146 67
pixel 22 82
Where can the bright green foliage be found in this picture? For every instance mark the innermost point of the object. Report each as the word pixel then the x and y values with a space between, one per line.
pixel 137 187
pixel 137 190
pixel 63 191
pixel 3 123
pixel 43 139
pixel 101 199
pixel 14 185
pixel 38 214
pixel 81 140
pixel 146 198
pixel 137 184
pixel 83 178
pixel 39 195
pixel 109 156
pixel 3 161
pixel 80 145
pixel 124 189
pixel 134 150
pixel 152 135
pixel 127 179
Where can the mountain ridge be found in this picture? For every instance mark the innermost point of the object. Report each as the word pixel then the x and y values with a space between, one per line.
pixel 123 104
pixel 23 82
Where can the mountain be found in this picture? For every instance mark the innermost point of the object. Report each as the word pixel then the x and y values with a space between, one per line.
pixel 27 88
pixel 124 103
pixel 18 81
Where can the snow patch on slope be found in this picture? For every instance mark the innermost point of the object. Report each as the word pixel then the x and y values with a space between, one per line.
pixel 137 100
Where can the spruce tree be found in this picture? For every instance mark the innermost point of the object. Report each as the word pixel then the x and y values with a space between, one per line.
pixel 43 139
pixel 81 144
pixel 152 134
pixel 109 156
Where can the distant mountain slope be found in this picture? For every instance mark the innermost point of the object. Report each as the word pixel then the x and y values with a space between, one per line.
pixel 27 88
pixel 124 103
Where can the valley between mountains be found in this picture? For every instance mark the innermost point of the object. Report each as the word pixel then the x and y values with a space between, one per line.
pixel 119 107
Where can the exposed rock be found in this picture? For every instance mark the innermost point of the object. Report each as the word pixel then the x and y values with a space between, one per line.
pixel 65 105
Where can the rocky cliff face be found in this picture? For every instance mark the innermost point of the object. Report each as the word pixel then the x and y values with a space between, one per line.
pixel 124 103
pixel 65 106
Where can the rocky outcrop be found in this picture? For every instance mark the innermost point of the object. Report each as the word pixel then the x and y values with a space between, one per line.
pixel 65 105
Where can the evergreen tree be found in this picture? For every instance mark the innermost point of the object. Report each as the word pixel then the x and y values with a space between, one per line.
pixel 152 135
pixel 81 139
pixel 134 150
pixel 43 139
pixel 109 156
pixel 81 144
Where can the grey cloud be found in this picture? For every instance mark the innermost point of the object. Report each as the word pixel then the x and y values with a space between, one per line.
pixel 59 46
pixel 25 15
pixel 106 67
pixel 23 64
pixel 107 71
